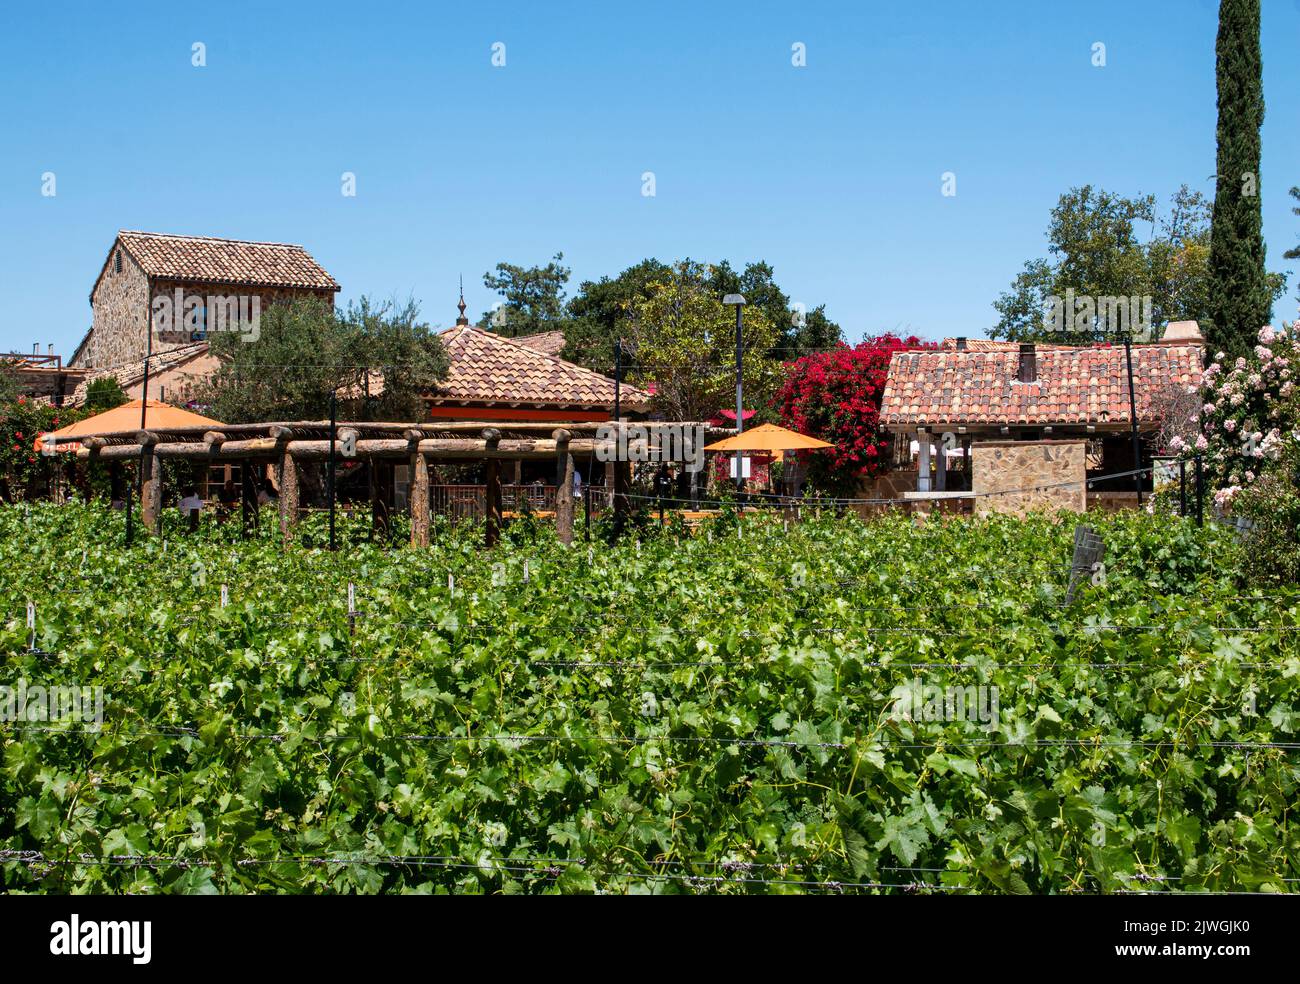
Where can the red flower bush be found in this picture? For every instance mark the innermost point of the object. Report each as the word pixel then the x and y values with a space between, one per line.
pixel 836 396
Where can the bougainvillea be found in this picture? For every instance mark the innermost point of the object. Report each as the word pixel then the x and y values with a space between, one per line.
pixel 836 396
pixel 21 422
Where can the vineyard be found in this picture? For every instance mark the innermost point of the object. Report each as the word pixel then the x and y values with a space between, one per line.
pixel 889 707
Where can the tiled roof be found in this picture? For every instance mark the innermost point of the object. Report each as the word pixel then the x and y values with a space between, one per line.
pixel 550 342
pixel 1074 385
pixel 132 373
pixel 990 345
pixel 489 368
pixel 224 261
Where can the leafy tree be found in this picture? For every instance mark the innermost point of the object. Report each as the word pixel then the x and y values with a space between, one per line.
pixel 684 340
pixel 1294 252
pixel 800 332
pixel 599 312
pixel 836 396
pixel 533 298
pixel 1240 294
pixel 104 393
pixel 1096 248
pixel 9 387
pixel 378 357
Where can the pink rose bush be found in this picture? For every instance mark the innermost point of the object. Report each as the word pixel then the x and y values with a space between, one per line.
pixel 1249 414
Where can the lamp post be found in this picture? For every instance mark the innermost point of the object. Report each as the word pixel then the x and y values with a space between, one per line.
pixel 738 301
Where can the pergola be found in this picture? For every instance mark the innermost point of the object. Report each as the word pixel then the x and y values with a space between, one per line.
pixel 289 446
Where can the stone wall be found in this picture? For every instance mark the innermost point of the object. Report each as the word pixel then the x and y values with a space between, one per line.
pixel 119 308
pixel 122 306
pixel 1038 466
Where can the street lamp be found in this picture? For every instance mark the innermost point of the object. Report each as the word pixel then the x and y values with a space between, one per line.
pixel 738 301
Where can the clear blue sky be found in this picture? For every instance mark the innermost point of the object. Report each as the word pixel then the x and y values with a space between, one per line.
pixel 830 172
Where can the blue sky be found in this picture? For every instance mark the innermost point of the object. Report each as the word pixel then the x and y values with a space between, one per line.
pixel 830 172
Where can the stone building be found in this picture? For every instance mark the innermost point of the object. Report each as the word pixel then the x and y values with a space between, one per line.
pixel 990 417
pixel 161 295
pixel 42 378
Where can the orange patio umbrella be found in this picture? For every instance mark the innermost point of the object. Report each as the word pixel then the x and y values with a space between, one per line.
pixel 771 438
pixel 125 418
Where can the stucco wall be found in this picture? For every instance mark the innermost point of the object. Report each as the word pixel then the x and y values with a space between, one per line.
pixel 1036 466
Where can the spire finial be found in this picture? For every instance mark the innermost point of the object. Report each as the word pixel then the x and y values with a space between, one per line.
pixel 462 320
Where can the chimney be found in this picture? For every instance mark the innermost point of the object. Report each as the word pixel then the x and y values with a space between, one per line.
pixel 961 344
pixel 1186 332
pixel 1028 363
pixel 51 348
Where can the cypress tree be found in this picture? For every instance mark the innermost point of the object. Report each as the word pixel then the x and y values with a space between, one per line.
pixel 1240 299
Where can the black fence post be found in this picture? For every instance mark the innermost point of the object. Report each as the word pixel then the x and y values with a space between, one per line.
pixel 333 475
pixel 1182 487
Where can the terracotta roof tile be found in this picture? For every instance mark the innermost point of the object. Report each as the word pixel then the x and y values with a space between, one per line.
pixel 225 261
pixel 490 368
pixel 1074 385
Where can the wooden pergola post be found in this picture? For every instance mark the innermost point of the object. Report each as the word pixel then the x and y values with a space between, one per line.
pixel 492 507
pixel 150 484
pixel 287 476
pixel 563 487
pixel 418 494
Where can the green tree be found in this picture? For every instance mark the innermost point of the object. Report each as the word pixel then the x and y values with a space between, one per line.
pixel 1240 295
pixel 800 332
pixel 9 388
pixel 104 393
pixel 683 339
pixel 599 312
pixel 1098 247
pixel 533 298
pixel 378 357
pixel 1294 252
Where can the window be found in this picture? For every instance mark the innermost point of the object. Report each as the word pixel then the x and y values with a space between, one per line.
pixel 117 262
